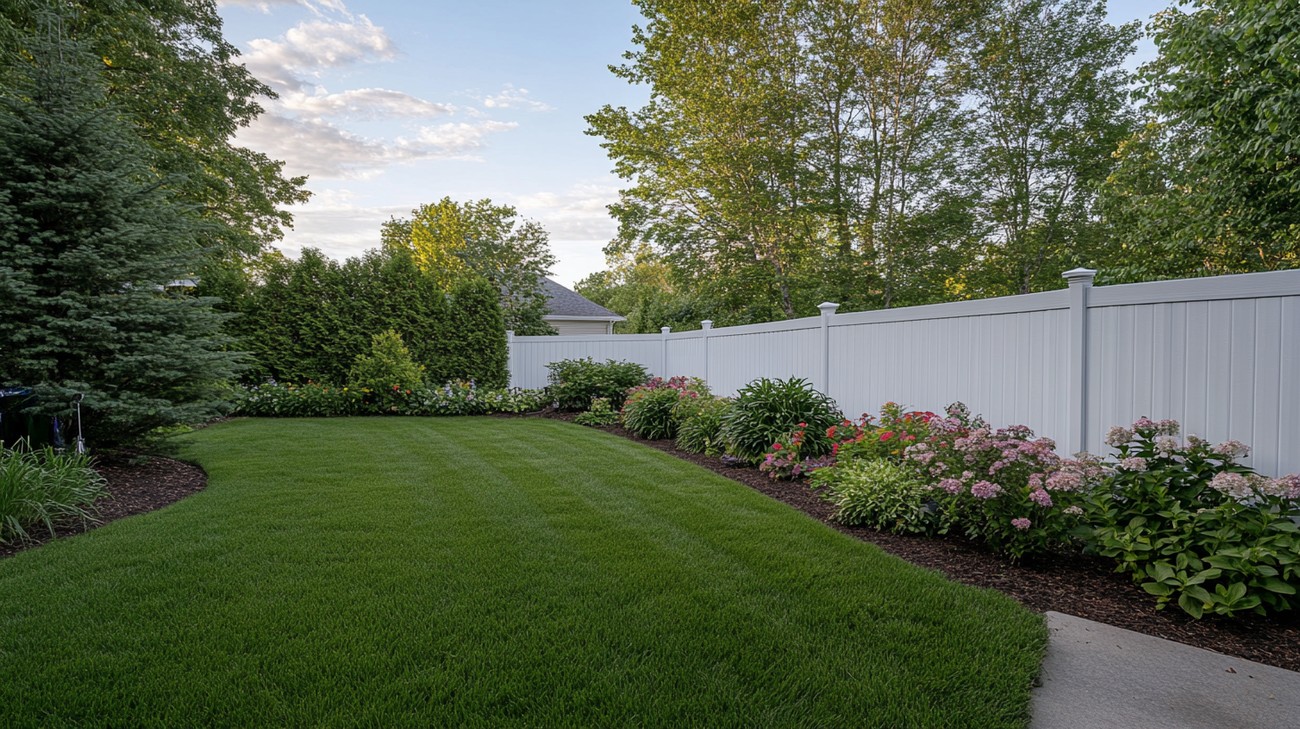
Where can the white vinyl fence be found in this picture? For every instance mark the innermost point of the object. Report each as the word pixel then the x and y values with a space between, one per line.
pixel 1220 355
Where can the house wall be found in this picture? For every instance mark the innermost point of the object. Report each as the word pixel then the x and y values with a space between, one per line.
pixel 569 327
pixel 1220 355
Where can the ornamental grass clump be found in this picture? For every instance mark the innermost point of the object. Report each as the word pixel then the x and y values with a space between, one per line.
pixel 765 411
pixel 1003 487
pixel 648 410
pixel 1193 526
pixel 44 488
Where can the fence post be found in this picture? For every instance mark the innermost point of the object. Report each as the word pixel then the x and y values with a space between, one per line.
pixel 663 355
pixel 706 327
pixel 828 310
pixel 510 358
pixel 1080 280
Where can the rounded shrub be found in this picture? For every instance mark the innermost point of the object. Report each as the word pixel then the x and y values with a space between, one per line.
pixel 699 424
pixel 388 366
pixel 648 411
pixel 765 410
pixel 574 383
pixel 880 494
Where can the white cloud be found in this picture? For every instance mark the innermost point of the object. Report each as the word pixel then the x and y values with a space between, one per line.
pixel 333 224
pixel 316 6
pixel 579 213
pixel 362 104
pixel 317 148
pixel 308 49
pixel 460 138
pixel 513 98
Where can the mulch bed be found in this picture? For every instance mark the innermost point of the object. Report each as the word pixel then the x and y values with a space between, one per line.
pixel 134 487
pixel 1078 585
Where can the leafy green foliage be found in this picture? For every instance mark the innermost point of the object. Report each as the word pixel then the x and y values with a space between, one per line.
pixel 1193 527
pixel 650 410
pixel 89 243
pixel 308 320
pixel 1210 185
pixel 766 410
pixel 42 488
pixel 327 401
pixel 600 414
pixel 168 67
pixel 699 424
pixel 388 366
pixel 881 494
pixel 454 241
pixel 1050 94
pixel 574 383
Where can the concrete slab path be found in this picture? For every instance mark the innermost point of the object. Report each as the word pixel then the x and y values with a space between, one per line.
pixel 1097 676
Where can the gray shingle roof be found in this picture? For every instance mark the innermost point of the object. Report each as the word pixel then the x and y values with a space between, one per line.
pixel 566 303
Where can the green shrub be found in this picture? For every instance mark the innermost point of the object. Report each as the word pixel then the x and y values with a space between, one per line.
pixel 388 366
pixel 600 414
pixel 1191 526
pixel 316 401
pixel 766 410
pixel 44 488
pixel 699 424
pixel 574 383
pixel 648 410
pixel 880 494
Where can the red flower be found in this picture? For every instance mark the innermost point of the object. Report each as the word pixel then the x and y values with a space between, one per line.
pixel 886 435
pixel 803 425
pixel 776 446
pixel 909 437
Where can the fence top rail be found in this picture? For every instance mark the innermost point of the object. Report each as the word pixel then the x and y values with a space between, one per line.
pixel 1264 285
pixel 1046 301
pixel 573 338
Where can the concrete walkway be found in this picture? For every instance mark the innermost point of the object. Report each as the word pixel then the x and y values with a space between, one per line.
pixel 1097 676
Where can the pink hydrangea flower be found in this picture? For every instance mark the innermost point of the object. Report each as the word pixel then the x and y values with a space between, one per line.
pixel 985 490
pixel 1021 523
pixel 1231 449
pixel 1166 445
pixel 1073 510
pixel 1042 498
pixel 951 485
pixel 1118 436
pixel 1134 463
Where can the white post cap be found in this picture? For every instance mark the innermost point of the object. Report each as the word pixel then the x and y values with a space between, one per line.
pixel 827 308
pixel 1079 276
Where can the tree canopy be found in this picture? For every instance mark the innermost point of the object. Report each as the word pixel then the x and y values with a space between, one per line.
pixel 454 241
pixel 90 242
pixel 168 68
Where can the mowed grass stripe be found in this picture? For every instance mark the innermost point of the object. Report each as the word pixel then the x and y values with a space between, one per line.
pixel 490 572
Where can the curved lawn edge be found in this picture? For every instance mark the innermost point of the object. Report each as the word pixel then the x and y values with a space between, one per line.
pixel 482 571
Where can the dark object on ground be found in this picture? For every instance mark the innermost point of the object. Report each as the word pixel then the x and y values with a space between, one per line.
pixel 1075 585
pixel 133 489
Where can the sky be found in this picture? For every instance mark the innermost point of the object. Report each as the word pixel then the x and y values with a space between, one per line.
pixel 388 104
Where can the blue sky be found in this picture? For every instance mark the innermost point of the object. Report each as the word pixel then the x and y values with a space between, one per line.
pixel 388 104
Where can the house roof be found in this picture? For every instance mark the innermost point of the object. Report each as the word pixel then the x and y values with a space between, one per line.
pixel 564 303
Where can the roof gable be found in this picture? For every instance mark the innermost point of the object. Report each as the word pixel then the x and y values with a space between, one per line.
pixel 563 303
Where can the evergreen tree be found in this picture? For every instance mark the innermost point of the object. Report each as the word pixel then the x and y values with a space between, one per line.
pixel 89 243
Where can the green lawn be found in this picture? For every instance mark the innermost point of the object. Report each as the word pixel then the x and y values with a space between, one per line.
pixel 489 572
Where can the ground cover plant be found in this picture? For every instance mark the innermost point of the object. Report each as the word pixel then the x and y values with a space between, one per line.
pixel 402 571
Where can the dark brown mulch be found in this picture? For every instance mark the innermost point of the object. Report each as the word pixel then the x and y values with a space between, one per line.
pixel 133 488
pixel 1077 585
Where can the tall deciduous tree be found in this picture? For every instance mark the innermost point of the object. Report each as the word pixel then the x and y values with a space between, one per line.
pixel 1051 100
pixel 89 242
pixel 1211 182
pixel 167 66
pixel 455 241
